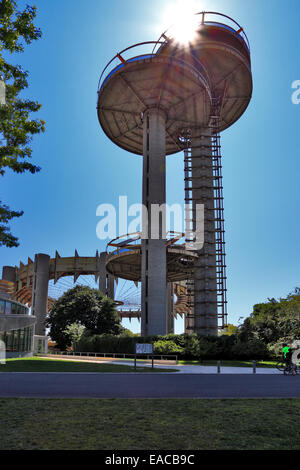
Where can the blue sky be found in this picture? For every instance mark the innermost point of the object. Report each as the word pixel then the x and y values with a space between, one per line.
pixel 82 168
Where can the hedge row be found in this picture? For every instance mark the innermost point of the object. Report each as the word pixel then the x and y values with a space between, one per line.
pixel 184 346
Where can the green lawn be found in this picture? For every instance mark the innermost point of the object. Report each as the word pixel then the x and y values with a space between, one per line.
pixel 149 424
pixel 37 364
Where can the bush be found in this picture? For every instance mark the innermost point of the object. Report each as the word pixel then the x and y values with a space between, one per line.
pixel 167 347
pixel 185 346
pixel 106 343
pixel 253 349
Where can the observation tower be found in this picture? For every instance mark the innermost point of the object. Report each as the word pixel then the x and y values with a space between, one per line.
pixel 168 98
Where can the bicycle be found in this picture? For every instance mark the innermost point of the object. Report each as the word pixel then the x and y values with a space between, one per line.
pixel 291 369
pixel 288 369
pixel 281 365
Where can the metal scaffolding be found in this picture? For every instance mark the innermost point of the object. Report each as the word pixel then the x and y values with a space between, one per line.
pixel 214 151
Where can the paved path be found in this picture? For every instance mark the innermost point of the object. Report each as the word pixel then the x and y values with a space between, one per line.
pixel 192 369
pixel 147 385
pixel 180 368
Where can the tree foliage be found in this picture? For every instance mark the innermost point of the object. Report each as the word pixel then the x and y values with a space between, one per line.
pixel 75 332
pixel 228 330
pixel 84 306
pixel 17 128
pixel 274 321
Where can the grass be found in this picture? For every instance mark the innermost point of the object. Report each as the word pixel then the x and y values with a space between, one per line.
pixel 230 363
pixel 186 424
pixel 37 364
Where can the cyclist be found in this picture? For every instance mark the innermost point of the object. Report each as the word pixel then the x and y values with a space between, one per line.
pixel 285 350
pixel 287 355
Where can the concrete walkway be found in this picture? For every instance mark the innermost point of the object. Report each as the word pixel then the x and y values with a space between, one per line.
pixel 190 369
pixel 181 369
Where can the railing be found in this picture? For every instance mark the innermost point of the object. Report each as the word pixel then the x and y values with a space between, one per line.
pixel 132 241
pixel 207 18
pixel 162 357
pixel 239 32
pixel 120 59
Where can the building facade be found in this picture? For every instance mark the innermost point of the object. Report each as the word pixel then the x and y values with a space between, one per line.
pixel 16 328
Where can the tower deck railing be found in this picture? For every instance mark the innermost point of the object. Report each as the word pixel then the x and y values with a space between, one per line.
pixel 123 57
pixel 132 241
pixel 212 18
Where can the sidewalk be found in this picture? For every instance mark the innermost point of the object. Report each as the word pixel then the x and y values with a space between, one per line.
pixel 182 369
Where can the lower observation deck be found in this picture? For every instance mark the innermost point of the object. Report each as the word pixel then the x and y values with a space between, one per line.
pixel 125 261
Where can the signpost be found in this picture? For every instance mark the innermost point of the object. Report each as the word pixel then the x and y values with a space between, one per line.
pixel 143 349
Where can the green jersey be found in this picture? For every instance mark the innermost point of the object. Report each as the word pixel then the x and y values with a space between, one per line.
pixel 285 350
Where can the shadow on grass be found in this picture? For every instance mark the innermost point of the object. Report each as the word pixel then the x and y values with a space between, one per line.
pixel 36 364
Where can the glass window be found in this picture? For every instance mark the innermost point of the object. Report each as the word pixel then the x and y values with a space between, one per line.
pixel 14 308
pixel 25 339
pixel 21 340
pixel 9 340
pixel 28 339
pixel 7 308
pixel 14 340
pixel 17 340
pixel 2 307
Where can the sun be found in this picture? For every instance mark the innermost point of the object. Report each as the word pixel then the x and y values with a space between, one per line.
pixel 180 16
pixel 184 29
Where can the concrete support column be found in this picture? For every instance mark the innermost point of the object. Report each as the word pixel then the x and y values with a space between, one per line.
pixel 170 307
pixel 40 291
pixel 102 273
pixel 154 274
pixel 205 315
pixel 9 273
pixel 106 280
pixel 110 286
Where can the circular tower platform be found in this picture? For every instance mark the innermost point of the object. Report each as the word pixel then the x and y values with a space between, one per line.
pixel 152 81
pixel 126 260
pixel 222 50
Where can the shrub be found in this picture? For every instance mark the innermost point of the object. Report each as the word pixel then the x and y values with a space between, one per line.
pixel 185 346
pixel 167 347
pixel 253 349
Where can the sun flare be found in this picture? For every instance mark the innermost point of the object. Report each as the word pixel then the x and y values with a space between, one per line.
pixel 181 18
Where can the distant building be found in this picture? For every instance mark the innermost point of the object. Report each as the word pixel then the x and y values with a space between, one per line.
pixel 16 328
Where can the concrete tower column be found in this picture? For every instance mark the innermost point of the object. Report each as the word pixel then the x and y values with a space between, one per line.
pixel 106 280
pixel 170 307
pixel 40 291
pixel 9 273
pixel 154 276
pixel 205 315
pixel 110 286
pixel 102 273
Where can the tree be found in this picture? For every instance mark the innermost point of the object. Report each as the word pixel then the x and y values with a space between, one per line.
pixel 16 126
pixel 228 330
pixel 273 322
pixel 75 332
pixel 84 306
